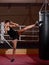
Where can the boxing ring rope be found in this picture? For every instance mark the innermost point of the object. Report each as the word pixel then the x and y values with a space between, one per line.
pixel 2 35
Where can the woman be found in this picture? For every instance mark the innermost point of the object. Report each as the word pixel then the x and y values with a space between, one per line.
pixel 14 34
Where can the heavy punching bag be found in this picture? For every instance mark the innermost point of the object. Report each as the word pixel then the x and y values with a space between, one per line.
pixel 44 35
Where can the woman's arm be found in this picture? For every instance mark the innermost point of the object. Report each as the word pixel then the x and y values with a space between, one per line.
pixel 14 24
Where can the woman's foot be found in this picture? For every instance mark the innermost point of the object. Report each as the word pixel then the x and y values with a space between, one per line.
pixel 12 60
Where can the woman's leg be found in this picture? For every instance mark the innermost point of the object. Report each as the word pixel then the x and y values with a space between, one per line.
pixel 26 28
pixel 14 49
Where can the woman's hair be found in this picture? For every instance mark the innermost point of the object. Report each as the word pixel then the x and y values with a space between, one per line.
pixel 6 21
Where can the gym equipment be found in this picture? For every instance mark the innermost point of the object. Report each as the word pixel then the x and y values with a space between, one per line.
pixel 44 33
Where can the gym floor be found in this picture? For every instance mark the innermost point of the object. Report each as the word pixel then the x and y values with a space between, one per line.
pixel 22 60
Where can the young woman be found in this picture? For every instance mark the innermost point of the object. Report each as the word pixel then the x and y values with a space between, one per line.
pixel 14 34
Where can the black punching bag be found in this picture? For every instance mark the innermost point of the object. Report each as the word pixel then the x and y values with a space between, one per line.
pixel 44 35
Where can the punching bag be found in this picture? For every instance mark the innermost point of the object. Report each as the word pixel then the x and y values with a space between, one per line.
pixel 44 35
